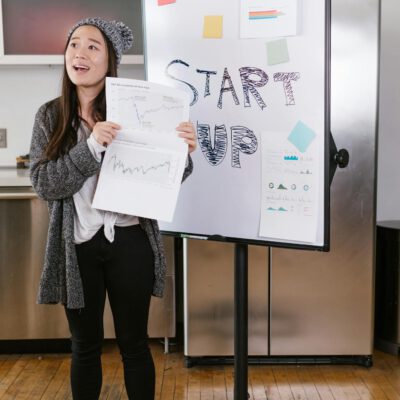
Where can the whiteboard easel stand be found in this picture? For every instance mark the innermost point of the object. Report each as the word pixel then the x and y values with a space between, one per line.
pixel 241 322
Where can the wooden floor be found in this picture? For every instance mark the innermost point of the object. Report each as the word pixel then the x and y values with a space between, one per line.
pixel 46 376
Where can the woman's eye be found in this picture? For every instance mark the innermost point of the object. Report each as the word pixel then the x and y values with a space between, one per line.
pixel 91 47
pixel 72 44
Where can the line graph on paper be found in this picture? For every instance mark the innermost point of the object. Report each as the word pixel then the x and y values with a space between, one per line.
pixel 146 111
pixel 141 165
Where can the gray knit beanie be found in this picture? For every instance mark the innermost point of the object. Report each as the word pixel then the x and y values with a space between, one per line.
pixel 118 33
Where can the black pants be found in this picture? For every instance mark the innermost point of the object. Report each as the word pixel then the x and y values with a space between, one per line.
pixel 125 270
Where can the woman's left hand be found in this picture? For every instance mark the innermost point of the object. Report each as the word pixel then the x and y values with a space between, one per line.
pixel 186 130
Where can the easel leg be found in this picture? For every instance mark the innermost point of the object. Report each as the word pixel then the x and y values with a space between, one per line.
pixel 241 322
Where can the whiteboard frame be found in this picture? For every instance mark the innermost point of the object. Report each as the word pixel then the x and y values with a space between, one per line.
pixel 327 161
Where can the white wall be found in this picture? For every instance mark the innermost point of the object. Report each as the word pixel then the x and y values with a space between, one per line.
pixel 23 89
pixel 388 206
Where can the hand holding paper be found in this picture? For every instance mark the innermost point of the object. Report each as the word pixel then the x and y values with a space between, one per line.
pixel 188 133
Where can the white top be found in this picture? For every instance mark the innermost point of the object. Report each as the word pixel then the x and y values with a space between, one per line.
pixel 88 220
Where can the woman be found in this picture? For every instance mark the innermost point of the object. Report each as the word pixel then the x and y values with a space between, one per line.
pixel 90 252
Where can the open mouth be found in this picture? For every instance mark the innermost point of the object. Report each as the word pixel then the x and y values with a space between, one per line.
pixel 80 68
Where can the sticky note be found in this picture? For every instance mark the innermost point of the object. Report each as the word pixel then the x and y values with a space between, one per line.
pixel 301 136
pixel 165 2
pixel 212 26
pixel 277 52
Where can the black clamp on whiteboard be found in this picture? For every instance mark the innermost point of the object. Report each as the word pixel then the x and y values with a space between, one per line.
pixel 337 158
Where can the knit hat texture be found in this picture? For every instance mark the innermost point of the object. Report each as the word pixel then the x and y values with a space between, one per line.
pixel 119 34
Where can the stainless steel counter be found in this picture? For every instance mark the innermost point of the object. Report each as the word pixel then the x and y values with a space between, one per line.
pixel 23 232
pixel 23 229
pixel 12 177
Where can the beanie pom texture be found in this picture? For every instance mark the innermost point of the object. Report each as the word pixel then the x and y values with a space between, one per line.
pixel 126 35
pixel 119 34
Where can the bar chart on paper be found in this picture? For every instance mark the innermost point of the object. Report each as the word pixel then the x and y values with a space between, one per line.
pixel 268 18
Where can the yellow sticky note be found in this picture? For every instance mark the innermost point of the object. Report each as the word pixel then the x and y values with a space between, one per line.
pixel 212 27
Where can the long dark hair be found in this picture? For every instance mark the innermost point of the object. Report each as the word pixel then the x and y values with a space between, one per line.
pixel 65 133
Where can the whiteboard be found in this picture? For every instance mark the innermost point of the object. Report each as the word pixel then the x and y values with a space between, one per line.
pixel 248 101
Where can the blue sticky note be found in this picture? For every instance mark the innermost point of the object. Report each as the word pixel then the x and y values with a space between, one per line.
pixel 301 136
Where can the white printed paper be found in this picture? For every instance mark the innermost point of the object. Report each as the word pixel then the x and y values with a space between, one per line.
pixel 268 18
pixel 289 193
pixel 145 106
pixel 142 169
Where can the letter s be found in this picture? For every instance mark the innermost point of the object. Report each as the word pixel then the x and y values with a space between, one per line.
pixel 194 90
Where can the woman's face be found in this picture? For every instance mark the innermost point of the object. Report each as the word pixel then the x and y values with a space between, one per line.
pixel 86 57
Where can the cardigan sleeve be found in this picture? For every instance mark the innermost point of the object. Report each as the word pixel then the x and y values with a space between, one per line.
pixel 188 169
pixel 63 177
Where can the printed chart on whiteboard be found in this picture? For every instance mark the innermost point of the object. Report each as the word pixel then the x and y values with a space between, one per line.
pixel 290 183
pixel 269 18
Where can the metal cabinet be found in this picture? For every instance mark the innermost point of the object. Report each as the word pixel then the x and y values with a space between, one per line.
pixel 23 231
pixel 208 299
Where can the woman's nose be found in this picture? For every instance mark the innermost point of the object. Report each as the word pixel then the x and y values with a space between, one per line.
pixel 79 53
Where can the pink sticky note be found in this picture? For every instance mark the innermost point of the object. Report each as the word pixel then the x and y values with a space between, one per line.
pixel 165 2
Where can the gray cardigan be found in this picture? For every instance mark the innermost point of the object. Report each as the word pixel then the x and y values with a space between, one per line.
pixel 57 181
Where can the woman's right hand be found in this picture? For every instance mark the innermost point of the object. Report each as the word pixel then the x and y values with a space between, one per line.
pixel 104 132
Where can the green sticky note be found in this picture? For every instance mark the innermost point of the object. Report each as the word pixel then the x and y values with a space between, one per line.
pixel 277 52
